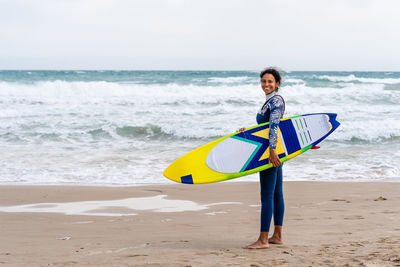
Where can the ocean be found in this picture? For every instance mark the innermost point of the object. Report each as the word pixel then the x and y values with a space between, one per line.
pixel 125 127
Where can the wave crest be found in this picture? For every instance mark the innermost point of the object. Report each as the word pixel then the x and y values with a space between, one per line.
pixel 148 131
pixel 353 78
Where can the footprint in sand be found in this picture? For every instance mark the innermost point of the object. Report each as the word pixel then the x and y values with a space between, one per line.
pixel 354 217
pixel 389 212
pixel 388 240
pixel 394 258
pixel 136 255
pixel 208 253
pixel 154 190
pixel 340 200
pixel 65 263
pixel 288 252
pixel 358 244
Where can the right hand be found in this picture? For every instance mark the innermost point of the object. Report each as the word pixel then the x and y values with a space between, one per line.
pixel 273 158
pixel 242 129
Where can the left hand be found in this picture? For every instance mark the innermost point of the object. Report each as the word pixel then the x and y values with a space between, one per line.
pixel 273 158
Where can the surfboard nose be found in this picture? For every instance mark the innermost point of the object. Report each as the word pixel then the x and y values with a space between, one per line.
pixel 170 173
pixel 177 172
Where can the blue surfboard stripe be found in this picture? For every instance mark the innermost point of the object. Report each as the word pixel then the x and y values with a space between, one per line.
pixel 289 135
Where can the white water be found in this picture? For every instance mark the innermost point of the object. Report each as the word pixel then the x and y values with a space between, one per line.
pixel 117 133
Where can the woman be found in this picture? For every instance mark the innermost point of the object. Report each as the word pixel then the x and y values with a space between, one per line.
pixel 272 202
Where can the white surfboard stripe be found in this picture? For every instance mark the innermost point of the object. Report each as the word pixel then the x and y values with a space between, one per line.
pixel 230 155
pixel 283 143
pixel 314 126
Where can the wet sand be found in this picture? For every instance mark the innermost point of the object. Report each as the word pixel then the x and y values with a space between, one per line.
pixel 326 224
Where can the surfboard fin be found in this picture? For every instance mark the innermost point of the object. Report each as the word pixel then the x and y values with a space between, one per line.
pixel 315 147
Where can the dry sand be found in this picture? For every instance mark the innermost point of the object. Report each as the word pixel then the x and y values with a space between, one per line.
pixel 326 224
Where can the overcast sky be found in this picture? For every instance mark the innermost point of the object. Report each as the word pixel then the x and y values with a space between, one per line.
pixel 200 34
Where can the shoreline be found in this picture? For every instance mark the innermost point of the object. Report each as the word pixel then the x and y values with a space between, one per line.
pixel 333 223
pixel 235 180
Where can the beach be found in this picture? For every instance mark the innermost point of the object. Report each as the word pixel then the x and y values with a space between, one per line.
pixel 325 224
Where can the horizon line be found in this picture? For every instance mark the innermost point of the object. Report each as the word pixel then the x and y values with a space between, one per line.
pixel 198 70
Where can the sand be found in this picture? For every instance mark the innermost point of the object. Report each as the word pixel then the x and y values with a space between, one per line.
pixel 326 224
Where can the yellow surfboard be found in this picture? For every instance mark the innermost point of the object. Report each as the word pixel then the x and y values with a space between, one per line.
pixel 240 154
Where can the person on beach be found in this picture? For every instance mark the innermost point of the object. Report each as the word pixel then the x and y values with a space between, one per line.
pixel 272 202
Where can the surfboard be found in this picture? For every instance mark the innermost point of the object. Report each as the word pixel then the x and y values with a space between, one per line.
pixel 241 154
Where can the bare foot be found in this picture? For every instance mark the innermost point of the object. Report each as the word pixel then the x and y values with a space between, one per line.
pixel 257 245
pixel 276 241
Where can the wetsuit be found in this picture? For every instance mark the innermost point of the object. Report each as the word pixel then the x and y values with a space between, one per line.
pixel 271 179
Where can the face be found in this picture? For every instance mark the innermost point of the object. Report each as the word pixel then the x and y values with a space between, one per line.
pixel 268 83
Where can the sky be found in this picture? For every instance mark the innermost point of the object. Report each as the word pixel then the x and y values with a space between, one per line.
pixel 340 35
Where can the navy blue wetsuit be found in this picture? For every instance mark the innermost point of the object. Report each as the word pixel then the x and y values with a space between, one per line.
pixel 271 179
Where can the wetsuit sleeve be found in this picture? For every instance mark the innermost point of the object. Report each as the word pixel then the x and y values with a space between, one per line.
pixel 277 107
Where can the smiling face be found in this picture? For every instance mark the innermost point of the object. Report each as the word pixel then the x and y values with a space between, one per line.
pixel 268 83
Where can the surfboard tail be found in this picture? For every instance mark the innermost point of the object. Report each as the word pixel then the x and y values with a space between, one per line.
pixel 332 119
pixel 334 125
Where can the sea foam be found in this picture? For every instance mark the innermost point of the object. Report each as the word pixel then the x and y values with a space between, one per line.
pixel 124 128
